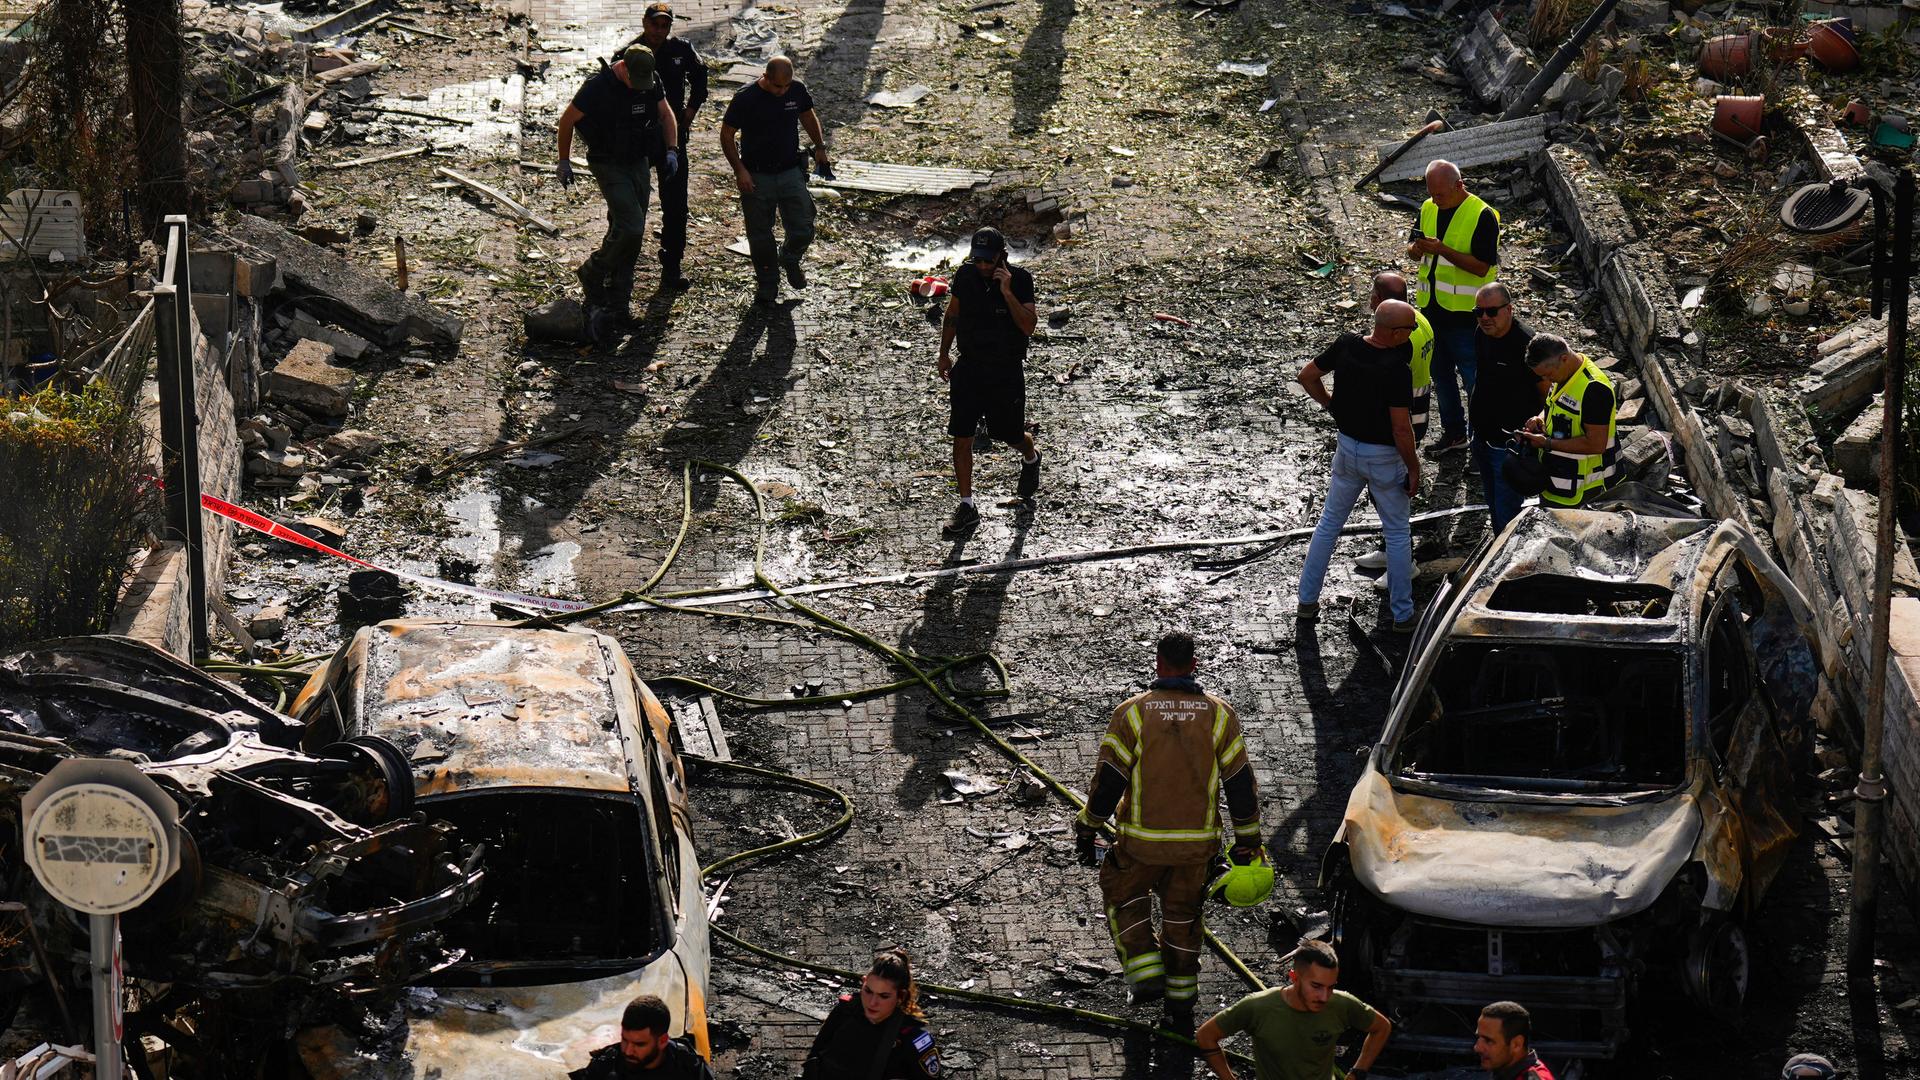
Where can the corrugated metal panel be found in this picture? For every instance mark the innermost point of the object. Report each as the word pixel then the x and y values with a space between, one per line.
pixel 1488 144
pixel 903 179
pixel 44 222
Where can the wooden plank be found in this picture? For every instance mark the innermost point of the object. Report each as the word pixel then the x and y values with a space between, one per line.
pixel 500 197
pixel 358 67
pixel 697 724
pixel 391 155
pixel 893 178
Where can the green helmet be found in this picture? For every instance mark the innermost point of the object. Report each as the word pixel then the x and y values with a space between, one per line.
pixel 1246 884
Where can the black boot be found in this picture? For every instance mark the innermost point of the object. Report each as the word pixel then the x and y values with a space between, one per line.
pixel 671 279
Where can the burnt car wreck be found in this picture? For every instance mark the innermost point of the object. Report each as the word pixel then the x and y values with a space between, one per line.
pixel 1585 779
pixel 460 822
pixel 301 869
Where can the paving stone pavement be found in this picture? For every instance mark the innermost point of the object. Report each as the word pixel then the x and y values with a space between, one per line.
pixel 1149 430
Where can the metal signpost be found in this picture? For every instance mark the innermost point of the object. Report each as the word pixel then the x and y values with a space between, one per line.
pixel 100 838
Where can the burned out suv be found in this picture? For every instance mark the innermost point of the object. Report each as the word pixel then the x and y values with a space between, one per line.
pixel 546 748
pixel 1586 775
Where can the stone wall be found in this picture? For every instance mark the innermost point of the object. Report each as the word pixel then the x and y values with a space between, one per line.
pixel 226 368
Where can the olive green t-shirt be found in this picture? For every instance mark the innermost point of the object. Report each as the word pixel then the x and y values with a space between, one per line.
pixel 1289 1044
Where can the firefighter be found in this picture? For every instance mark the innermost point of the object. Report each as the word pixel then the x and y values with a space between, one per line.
pixel 1165 757
pixel 1577 434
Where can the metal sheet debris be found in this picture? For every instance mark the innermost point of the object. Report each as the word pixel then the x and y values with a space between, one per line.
pixel 1488 144
pixel 903 179
pixel 900 99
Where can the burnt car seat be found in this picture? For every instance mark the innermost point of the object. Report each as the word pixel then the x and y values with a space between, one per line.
pixel 1513 674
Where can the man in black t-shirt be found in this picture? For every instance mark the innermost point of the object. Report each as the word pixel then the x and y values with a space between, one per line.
pixel 771 173
pixel 683 81
pixel 1372 393
pixel 644 1049
pixel 1506 393
pixel 990 310
pixel 620 112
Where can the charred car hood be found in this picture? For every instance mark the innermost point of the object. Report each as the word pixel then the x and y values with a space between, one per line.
pixel 1515 864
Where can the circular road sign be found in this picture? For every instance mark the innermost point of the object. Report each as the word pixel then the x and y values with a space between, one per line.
pixel 98 848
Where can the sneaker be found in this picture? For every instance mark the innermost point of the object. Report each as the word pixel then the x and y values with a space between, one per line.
pixel 1372 560
pixel 1146 990
pixel 964 518
pixel 1447 444
pixel 1307 612
pixel 1403 628
pixel 1029 477
pixel 796 277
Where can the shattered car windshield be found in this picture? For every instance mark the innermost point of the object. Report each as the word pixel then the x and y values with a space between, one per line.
pixel 1542 717
pixel 569 887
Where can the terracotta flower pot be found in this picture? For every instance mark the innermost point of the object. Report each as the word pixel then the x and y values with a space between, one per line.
pixel 1739 118
pixel 1783 45
pixel 1832 45
pixel 1728 56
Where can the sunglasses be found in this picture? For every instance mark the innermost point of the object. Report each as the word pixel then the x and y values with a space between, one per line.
pixel 1488 312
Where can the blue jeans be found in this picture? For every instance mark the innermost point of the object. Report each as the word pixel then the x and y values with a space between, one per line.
pixel 1452 351
pixel 1503 502
pixel 1379 470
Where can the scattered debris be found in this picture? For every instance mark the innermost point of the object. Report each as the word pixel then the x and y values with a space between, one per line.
pixel 1488 144
pixel 327 284
pixel 899 99
pixel 1254 68
pixel 501 197
pixel 903 179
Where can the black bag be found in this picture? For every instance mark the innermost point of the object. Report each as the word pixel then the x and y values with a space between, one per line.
pixel 1525 469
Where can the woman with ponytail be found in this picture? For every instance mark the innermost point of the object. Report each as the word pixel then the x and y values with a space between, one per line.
pixel 879 1033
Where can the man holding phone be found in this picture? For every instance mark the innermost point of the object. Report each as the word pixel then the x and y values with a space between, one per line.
pixel 1370 403
pixel 990 310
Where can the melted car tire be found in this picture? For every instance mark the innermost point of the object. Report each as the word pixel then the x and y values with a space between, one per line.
pixel 1719 967
pixel 389 764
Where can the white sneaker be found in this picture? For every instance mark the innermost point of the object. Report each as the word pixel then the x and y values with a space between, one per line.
pixel 1372 560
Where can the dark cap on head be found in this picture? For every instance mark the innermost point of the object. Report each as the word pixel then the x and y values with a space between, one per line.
pixel 639 60
pixel 659 8
pixel 987 244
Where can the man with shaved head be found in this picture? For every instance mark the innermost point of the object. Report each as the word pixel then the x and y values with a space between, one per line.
pixel 771 173
pixel 1456 245
pixel 1392 285
pixel 1371 396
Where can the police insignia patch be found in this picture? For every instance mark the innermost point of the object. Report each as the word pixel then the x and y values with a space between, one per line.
pixel 931 1063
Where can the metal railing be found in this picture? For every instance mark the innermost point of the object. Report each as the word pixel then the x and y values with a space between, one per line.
pixel 179 420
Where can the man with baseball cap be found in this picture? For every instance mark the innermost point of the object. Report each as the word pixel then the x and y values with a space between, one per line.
pixel 683 80
pixel 990 311
pixel 621 112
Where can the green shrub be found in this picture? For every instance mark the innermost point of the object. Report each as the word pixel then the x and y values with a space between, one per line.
pixel 77 499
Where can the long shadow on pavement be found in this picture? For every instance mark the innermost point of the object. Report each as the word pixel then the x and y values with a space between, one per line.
pixel 1042 64
pixel 728 405
pixel 960 616
pixel 836 72
pixel 1348 714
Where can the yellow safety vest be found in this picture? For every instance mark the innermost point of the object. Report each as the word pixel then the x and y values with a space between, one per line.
pixel 1441 280
pixel 1422 342
pixel 1573 477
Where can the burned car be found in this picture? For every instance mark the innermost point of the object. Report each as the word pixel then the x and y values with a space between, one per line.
pixel 545 747
pixel 300 870
pixel 1587 773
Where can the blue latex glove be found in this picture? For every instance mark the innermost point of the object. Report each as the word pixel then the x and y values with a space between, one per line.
pixel 672 166
pixel 565 172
